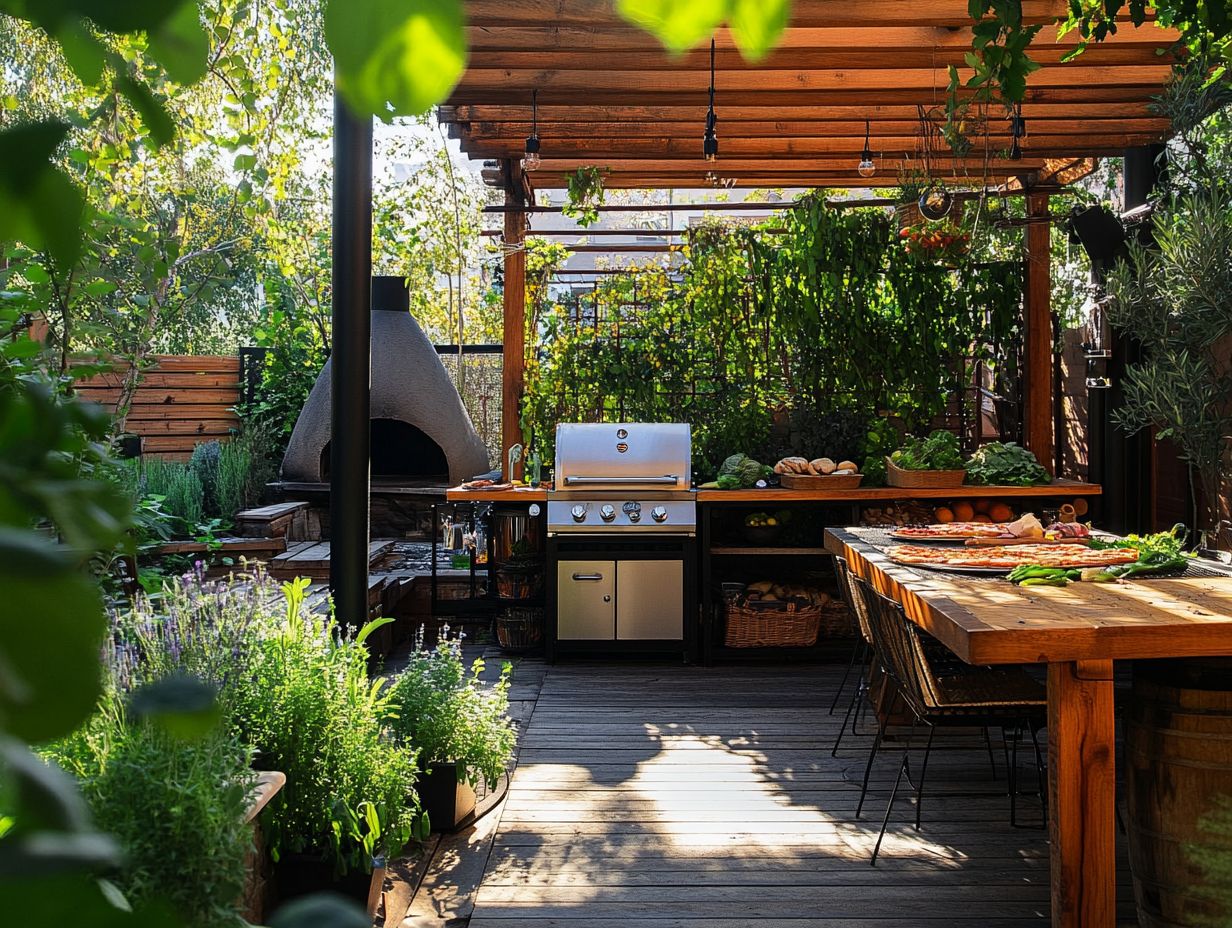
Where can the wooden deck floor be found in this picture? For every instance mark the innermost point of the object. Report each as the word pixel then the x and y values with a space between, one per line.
pixel 680 797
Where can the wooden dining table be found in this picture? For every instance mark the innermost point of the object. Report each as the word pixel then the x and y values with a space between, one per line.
pixel 1078 631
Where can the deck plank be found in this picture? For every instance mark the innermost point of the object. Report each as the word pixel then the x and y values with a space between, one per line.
pixel 681 797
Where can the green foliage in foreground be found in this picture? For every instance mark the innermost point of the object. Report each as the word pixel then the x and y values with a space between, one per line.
pixel 176 807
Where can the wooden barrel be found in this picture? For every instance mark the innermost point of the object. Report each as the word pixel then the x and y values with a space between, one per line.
pixel 1178 776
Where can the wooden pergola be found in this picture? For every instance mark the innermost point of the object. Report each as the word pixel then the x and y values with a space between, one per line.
pixel 610 96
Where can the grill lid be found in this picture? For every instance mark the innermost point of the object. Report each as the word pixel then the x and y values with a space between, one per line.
pixel 623 455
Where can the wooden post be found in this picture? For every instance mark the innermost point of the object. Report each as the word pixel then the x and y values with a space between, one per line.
pixel 1082 794
pixel 1037 425
pixel 514 321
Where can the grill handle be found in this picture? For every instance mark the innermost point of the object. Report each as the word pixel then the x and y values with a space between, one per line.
pixel 667 479
pixel 593 577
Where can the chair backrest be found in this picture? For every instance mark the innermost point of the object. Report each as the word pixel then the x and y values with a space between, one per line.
pixel 853 596
pixel 897 641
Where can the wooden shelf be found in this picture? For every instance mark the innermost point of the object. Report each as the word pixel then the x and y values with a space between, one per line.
pixel 771 497
pixel 732 550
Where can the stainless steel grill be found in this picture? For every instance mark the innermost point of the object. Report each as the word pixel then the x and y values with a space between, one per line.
pixel 623 477
pixel 621 539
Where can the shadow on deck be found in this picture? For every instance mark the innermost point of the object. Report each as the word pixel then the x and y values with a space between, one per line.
pixel 682 797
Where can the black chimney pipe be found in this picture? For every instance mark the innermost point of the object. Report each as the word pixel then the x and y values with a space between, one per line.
pixel 351 357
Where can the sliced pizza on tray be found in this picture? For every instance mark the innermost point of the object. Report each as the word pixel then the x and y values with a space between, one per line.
pixel 950 531
pixel 1007 557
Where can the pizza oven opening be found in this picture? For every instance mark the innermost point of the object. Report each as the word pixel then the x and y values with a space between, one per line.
pixel 401 454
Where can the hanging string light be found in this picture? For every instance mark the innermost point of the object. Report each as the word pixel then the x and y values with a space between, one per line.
pixel 1018 129
pixel 530 159
pixel 866 168
pixel 710 141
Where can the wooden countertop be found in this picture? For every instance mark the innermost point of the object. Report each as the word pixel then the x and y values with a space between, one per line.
pixel 772 496
pixel 516 495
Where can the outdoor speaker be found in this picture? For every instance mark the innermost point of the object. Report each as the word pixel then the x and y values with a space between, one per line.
pixel 1099 232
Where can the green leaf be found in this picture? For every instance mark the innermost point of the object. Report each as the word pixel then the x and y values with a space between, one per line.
pixel 100 288
pixel 370 628
pixel 82 51
pixel 395 57
pixel 49 669
pixel 155 116
pixel 678 24
pixel 181 705
pixel 757 25
pixel 181 45
pixel 38 205
pixel 320 910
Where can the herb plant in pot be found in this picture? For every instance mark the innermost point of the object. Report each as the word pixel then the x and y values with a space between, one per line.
pixel 459 724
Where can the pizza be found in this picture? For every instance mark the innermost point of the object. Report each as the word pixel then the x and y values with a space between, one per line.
pixel 1007 557
pixel 953 530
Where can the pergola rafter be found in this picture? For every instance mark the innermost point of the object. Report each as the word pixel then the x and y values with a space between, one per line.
pixel 610 95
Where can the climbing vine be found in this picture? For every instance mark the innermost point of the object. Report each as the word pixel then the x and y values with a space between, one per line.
pixel 763 331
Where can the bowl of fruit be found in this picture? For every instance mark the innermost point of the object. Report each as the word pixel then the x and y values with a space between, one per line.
pixel 764 527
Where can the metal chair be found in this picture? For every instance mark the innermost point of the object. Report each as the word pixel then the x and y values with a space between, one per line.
pixel 947 696
pixel 860 655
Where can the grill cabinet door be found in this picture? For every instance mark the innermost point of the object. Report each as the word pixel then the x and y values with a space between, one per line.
pixel 650 601
pixel 585 600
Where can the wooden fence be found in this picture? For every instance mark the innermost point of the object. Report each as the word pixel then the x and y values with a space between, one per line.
pixel 181 401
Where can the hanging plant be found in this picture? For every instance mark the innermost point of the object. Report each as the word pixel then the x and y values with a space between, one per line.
pixel 586 195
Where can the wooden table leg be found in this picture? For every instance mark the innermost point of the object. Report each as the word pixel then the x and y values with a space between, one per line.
pixel 1082 794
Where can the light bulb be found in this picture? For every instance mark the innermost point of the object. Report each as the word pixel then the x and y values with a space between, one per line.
pixel 530 160
pixel 866 168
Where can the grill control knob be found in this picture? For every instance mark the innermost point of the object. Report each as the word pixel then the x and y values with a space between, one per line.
pixel 659 513
pixel 578 513
pixel 607 513
pixel 635 515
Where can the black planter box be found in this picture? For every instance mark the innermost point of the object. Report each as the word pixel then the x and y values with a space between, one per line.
pixel 447 800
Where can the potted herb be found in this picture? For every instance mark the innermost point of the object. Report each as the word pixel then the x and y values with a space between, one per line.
pixel 459 725
pixel 935 461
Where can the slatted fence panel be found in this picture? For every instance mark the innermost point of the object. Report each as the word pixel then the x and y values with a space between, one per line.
pixel 181 401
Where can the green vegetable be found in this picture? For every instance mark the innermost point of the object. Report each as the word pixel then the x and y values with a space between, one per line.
pixel 1171 542
pixel 1037 575
pixel 728 482
pixel 939 451
pixel 1157 562
pixel 744 469
pixel 1005 464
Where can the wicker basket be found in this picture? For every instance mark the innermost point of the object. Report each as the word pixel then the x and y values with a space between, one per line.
pixel 771 625
pixel 515 581
pixel 917 479
pixel 520 629
pixel 821 481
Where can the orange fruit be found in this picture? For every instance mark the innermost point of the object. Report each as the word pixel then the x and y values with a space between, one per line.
pixel 1000 512
pixel 982 517
pixel 963 512
pixel 941 514
pixel 983 505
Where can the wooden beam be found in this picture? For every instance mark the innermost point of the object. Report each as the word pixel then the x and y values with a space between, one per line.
pixel 550 36
pixel 1038 436
pixel 848 57
pixel 806 113
pixel 660 92
pixel 555 84
pixel 514 324
pixel 1082 794
pixel 804 13
pixel 516 132
pixel 787 149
